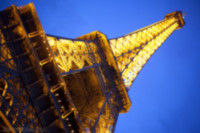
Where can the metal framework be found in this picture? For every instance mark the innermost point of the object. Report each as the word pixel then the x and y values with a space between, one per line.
pixel 54 84
pixel 133 50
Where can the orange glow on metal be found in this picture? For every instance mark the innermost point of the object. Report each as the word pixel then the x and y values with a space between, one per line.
pixel 133 50
pixel 38 94
pixel 71 55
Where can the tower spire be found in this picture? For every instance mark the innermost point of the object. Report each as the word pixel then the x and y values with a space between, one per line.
pixel 133 50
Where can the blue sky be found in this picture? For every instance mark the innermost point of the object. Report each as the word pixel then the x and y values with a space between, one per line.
pixel 166 94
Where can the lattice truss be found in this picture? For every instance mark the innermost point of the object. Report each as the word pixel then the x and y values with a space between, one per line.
pixel 133 50
pixel 5 55
pixel 14 101
pixel 106 121
pixel 73 54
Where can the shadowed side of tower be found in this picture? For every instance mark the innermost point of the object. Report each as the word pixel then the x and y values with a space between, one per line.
pixel 55 84
pixel 39 93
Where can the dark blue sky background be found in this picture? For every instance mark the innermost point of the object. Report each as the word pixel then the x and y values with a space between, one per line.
pixel 166 94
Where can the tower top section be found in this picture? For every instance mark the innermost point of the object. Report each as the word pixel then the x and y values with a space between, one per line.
pixel 179 16
pixel 133 50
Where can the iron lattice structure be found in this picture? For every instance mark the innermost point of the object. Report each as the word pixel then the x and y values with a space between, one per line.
pixel 55 84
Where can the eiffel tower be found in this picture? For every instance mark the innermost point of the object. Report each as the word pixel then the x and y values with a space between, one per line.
pixel 55 84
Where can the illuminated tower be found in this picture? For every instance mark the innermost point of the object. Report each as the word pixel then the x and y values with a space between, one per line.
pixel 55 84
